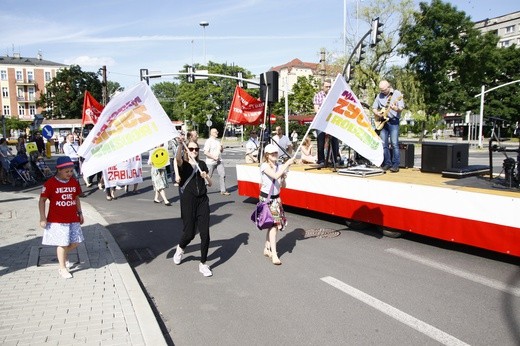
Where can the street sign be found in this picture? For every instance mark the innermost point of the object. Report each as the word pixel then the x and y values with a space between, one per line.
pixel 209 116
pixel 209 123
pixel 47 131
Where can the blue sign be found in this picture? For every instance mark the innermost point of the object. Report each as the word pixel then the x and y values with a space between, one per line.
pixel 47 131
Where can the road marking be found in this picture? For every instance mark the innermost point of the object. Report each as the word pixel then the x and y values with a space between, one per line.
pixel 498 285
pixel 403 317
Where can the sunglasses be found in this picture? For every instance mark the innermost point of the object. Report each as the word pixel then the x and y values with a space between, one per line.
pixel 192 149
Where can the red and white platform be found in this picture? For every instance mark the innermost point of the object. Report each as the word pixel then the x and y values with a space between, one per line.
pixel 467 211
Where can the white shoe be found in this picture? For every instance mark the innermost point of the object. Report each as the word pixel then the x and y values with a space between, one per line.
pixel 119 187
pixel 64 273
pixel 68 264
pixel 177 258
pixel 204 269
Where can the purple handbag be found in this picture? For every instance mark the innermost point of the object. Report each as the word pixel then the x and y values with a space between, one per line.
pixel 262 216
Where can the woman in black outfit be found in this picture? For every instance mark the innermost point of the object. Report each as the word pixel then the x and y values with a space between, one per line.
pixel 194 203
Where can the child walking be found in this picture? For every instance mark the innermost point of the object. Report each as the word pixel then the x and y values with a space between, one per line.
pixel 62 224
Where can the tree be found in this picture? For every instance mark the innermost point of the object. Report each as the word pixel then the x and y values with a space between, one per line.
pixel 195 101
pixel 450 57
pixel 64 94
pixel 113 88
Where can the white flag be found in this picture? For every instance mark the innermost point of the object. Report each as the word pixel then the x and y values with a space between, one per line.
pixel 131 123
pixel 342 116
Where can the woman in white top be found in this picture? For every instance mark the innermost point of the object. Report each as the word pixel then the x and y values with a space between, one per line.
pixel 273 175
pixel 307 156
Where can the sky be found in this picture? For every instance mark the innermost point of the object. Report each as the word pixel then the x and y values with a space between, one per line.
pixel 163 36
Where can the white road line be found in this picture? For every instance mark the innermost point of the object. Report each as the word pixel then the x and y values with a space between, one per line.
pixel 460 273
pixel 420 326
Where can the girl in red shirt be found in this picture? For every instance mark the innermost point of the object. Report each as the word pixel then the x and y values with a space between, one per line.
pixel 62 224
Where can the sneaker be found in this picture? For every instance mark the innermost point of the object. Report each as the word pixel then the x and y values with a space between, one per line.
pixel 225 193
pixel 118 187
pixel 386 167
pixel 177 258
pixel 204 269
pixel 394 169
pixel 68 264
pixel 64 273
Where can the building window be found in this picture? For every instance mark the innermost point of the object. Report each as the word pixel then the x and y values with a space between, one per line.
pixel 19 75
pixel 510 29
pixel 47 76
pixel 7 110
pixel 31 93
pixel 21 110
pixel 32 109
pixel 19 94
pixel 3 74
pixel 5 92
pixel 30 76
pixel 505 44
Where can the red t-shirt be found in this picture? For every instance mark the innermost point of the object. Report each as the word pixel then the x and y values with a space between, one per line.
pixel 62 198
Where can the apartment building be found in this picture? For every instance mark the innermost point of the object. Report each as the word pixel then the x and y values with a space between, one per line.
pixel 22 81
pixel 288 73
pixel 506 27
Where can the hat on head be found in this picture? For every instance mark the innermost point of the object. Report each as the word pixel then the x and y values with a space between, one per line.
pixel 63 162
pixel 270 148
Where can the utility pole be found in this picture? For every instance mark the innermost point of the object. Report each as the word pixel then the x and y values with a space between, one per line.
pixel 104 85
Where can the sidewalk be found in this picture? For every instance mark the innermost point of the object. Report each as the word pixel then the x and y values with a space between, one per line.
pixel 102 304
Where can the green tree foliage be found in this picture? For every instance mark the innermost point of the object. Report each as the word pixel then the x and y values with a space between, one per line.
pixel 194 101
pixel 64 94
pixel 113 88
pixel 451 58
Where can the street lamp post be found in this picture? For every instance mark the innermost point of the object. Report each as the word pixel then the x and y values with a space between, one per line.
pixel 204 25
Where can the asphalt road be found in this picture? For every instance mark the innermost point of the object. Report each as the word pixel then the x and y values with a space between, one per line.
pixel 353 287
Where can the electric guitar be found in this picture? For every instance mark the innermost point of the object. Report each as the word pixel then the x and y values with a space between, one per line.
pixel 381 119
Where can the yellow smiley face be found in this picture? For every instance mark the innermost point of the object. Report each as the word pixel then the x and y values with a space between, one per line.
pixel 160 158
pixel 30 147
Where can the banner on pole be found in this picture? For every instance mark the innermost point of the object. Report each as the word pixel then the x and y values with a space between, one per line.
pixel 245 109
pixel 91 110
pixel 342 116
pixel 131 123
pixel 128 172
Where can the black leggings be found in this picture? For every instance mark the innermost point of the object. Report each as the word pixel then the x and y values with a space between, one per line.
pixel 195 215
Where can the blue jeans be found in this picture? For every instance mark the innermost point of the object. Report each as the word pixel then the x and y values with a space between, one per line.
pixel 390 135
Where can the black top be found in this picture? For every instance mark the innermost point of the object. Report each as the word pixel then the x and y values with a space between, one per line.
pixel 197 185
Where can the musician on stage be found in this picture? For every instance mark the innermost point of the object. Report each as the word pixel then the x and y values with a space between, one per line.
pixel 387 108
pixel 319 97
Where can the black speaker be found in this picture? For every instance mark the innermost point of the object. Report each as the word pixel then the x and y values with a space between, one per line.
pixel 439 157
pixel 406 155
pixel 269 79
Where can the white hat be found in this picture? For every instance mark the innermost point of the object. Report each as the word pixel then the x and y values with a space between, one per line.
pixel 270 148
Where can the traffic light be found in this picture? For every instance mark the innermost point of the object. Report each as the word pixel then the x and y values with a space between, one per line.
pixel 144 72
pixel 360 52
pixel 375 34
pixel 349 71
pixel 240 80
pixel 190 77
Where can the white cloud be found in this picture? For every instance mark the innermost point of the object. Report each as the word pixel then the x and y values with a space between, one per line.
pixel 89 61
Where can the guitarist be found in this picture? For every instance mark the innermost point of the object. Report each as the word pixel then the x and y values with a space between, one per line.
pixel 387 108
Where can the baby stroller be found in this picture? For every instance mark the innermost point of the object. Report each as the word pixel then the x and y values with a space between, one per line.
pixel 40 168
pixel 19 171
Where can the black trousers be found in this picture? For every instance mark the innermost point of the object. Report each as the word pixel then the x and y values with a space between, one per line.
pixel 333 145
pixel 195 215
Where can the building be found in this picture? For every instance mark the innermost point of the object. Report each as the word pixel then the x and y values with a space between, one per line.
pixel 22 81
pixel 506 27
pixel 288 73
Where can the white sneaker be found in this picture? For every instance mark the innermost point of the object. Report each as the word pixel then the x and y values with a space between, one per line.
pixel 119 187
pixel 177 258
pixel 64 273
pixel 204 269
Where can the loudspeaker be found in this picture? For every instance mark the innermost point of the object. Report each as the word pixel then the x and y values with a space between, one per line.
pixel 406 155
pixel 269 79
pixel 439 157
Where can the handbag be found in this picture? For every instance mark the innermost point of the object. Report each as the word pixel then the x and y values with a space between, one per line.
pixel 262 216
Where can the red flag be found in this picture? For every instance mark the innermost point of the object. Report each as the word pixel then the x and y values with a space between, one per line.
pixel 245 109
pixel 91 109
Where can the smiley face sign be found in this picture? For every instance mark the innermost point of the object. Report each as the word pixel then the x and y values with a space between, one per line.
pixel 160 157
pixel 31 147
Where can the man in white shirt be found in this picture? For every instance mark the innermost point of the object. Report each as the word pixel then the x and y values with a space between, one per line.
pixel 283 141
pixel 213 151
pixel 252 146
pixel 70 148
